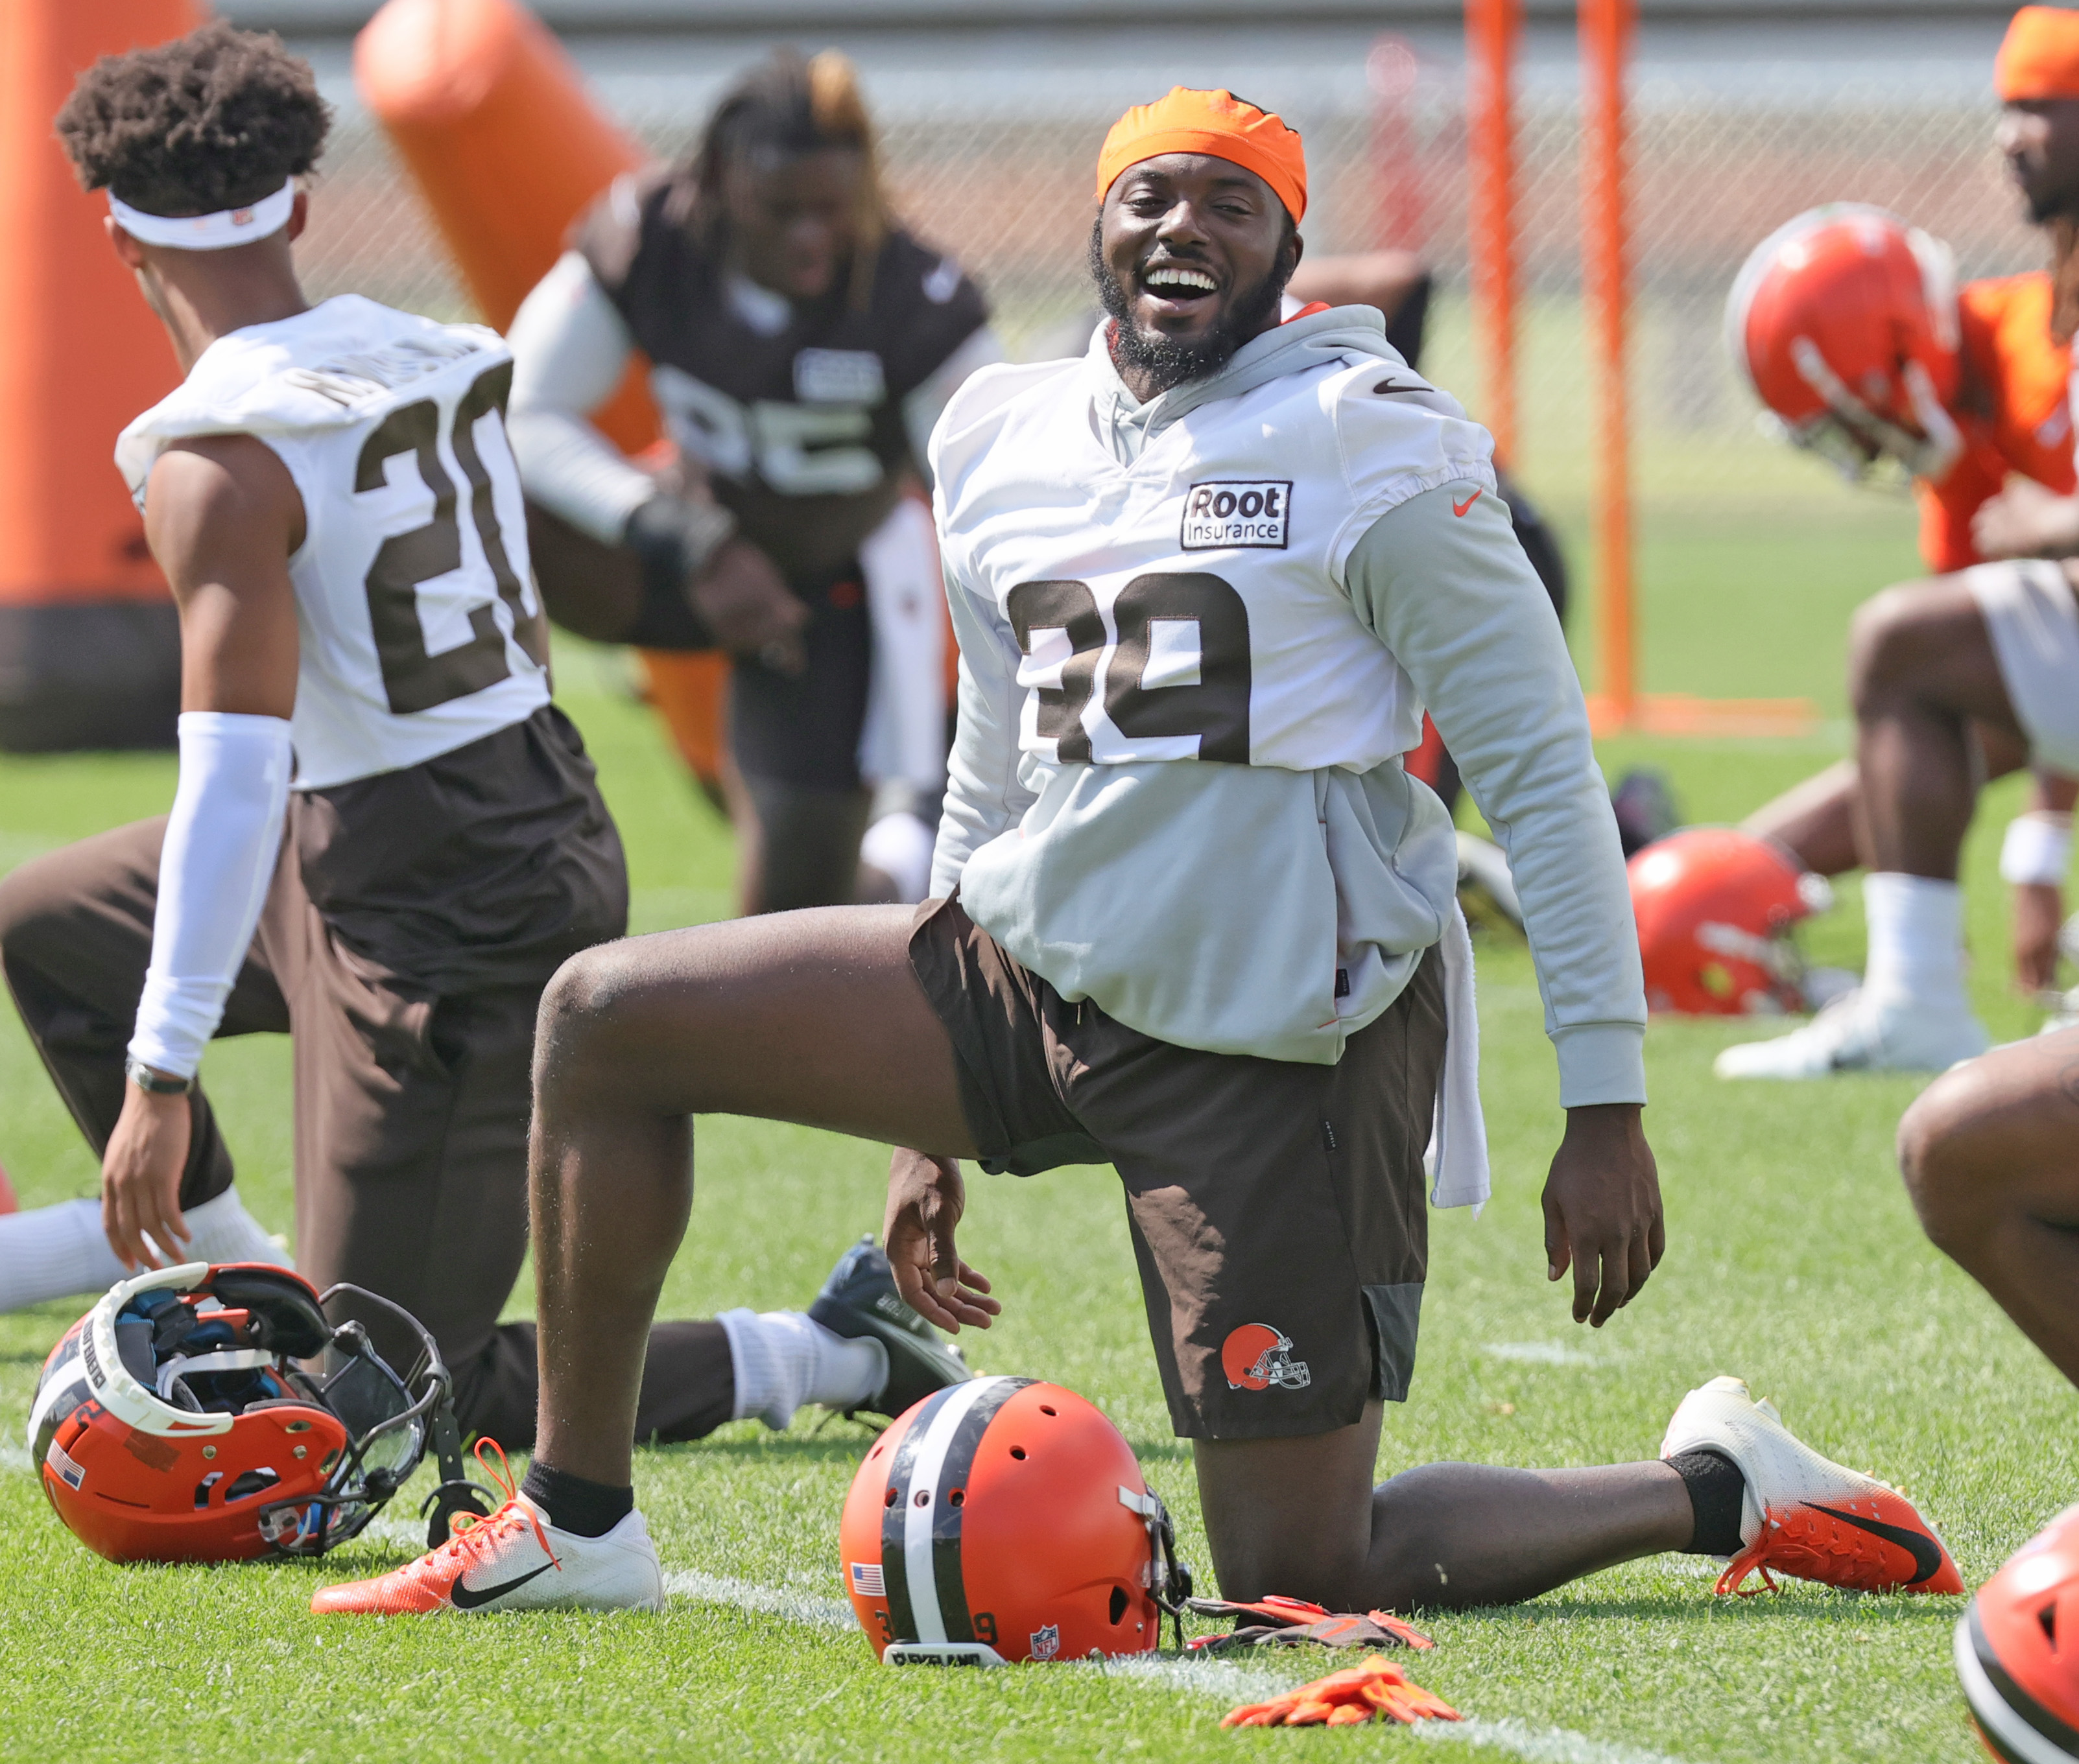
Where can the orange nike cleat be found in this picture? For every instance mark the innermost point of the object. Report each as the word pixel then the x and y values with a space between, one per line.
pixel 513 1561
pixel 1803 1515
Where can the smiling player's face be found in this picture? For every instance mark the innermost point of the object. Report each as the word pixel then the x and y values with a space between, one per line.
pixel 1191 244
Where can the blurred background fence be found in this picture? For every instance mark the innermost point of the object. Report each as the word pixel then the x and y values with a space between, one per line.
pixel 1008 193
pixel 994 166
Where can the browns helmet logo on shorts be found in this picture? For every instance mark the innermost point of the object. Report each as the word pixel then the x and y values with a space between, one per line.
pixel 1256 1356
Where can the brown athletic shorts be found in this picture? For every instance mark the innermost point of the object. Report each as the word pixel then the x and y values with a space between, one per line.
pixel 1278 1209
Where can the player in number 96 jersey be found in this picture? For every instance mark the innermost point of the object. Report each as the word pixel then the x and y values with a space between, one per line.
pixel 386 837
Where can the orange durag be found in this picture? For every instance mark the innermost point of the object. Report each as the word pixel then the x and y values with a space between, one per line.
pixel 1215 122
pixel 2039 58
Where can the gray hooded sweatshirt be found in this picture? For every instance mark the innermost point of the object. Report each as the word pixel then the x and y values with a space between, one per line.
pixel 1195 901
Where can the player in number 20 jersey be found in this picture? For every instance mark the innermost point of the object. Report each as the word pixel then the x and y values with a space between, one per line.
pixel 386 837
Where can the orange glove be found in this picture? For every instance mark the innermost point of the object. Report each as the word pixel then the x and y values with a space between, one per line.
pixel 1374 1689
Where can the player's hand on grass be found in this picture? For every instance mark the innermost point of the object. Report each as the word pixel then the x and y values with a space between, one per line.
pixel 1602 1210
pixel 2027 520
pixel 2038 912
pixel 749 606
pixel 926 1198
pixel 141 1178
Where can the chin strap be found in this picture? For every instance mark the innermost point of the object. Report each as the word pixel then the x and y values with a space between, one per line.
pixel 1169 1580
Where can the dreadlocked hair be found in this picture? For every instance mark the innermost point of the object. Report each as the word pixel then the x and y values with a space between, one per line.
pixel 215 120
pixel 788 106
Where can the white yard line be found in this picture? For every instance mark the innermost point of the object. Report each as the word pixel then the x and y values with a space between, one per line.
pixel 802 1608
pixel 1539 1745
pixel 1228 1680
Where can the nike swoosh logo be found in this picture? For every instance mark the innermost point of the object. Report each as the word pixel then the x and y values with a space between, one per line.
pixel 1460 508
pixel 1926 1555
pixel 470 1598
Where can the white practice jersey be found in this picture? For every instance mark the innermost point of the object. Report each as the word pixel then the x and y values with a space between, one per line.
pixel 1189 606
pixel 421 631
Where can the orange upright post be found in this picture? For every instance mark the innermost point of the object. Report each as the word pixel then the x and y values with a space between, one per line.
pixel 89 648
pixel 1606 27
pixel 1493 28
pixel 509 148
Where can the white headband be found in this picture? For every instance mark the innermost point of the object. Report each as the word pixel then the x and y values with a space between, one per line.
pixel 219 231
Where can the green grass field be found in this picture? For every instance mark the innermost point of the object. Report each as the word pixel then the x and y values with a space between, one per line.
pixel 1792 1259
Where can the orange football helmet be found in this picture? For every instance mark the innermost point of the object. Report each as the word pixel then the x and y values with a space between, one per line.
pixel 2021 1683
pixel 1714 907
pixel 1844 323
pixel 1004 1519
pixel 215 1414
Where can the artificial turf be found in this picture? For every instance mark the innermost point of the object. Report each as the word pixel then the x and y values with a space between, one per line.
pixel 1792 1259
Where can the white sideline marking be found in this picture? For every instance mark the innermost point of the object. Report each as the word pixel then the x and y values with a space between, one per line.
pixel 14 1458
pixel 1226 1679
pixel 803 1607
pixel 1539 1745
pixel 1545 1353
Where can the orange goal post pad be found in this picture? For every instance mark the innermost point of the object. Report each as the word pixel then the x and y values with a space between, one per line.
pixel 493 122
pixel 89 644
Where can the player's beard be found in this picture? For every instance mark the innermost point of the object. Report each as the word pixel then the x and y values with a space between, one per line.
pixel 1169 360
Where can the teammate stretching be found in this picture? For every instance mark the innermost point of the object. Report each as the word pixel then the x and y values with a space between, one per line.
pixel 800 345
pixel 1995 647
pixel 386 837
pixel 1205 580
pixel 1821 304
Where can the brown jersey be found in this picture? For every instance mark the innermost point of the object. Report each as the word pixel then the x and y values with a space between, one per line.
pixel 801 431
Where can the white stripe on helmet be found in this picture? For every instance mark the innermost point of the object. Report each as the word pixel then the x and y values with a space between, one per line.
pixel 917 1520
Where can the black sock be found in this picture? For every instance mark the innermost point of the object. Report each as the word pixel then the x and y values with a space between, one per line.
pixel 573 1504
pixel 1717 1490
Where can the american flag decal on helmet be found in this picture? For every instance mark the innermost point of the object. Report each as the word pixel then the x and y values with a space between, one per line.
pixel 868 1580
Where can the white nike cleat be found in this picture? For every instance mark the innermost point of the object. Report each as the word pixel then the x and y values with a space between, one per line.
pixel 1857 1034
pixel 1803 1515
pixel 514 1561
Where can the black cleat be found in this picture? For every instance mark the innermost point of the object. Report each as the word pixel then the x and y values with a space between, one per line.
pixel 859 1299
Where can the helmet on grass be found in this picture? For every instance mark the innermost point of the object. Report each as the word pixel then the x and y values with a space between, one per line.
pixel 215 1414
pixel 1844 323
pixel 2016 1649
pixel 1004 1519
pixel 1715 907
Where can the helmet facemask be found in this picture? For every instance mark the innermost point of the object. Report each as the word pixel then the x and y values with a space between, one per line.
pixel 181 1356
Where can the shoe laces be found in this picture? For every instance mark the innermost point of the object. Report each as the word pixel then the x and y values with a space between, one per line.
pixel 472 1535
pixel 1812 1547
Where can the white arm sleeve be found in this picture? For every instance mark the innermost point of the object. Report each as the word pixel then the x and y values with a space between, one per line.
pixel 983 795
pixel 570 349
pixel 1453 596
pixel 922 409
pixel 215 870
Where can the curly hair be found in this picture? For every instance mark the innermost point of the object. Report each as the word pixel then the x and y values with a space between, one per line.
pixel 215 120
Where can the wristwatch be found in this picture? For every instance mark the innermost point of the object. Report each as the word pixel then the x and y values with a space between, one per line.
pixel 156 1083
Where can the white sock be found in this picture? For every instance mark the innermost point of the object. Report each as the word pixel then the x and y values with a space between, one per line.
pixel 1916 941
pixel 222 1230
pixel 783 1359
pixel 51 1253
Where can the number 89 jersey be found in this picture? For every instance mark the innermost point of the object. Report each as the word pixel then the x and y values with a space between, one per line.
pixel 419 630
pixel 1189 605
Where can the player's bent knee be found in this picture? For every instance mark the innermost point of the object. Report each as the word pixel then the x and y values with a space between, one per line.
pixel 1882 639
pixel 1941 1157
pixel 576 1024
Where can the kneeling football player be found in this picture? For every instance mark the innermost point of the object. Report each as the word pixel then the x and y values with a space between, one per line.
pixel 1192 918
pixel 386 836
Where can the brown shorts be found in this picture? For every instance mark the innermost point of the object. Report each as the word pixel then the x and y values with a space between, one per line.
pixel 1278 1209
